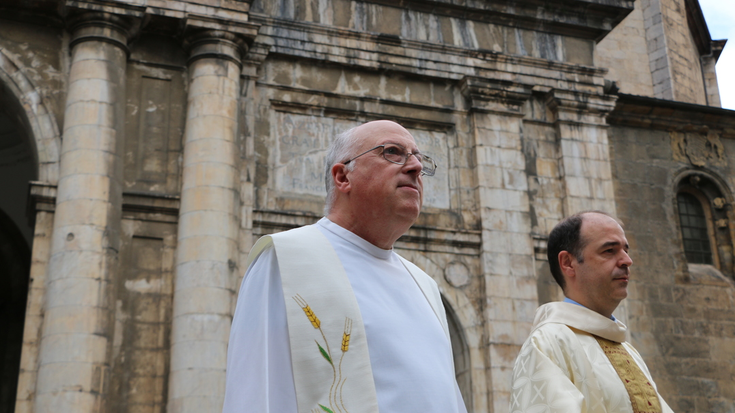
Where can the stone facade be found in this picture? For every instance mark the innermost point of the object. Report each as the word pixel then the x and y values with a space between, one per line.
pixel 155 141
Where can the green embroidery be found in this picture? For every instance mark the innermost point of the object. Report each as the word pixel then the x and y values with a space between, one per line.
pixel 324 353
pixel 338 382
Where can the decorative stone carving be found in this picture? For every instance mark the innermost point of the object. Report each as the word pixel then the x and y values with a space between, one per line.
pixel 698 149
pixel 719 202
pixel 457 274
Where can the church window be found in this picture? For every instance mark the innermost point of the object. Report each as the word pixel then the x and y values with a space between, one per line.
pixel 706 222
pixel 694 229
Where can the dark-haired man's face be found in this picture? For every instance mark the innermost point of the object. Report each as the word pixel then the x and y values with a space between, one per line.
pixel 601 278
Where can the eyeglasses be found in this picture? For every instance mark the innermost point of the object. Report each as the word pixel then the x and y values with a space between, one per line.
pixel 397 154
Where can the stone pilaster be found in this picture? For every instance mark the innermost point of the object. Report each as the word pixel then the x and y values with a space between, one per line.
pixel 207 251
pixel 74 358
pixel 584 151
pixel 507 247
pixel 658 50
pixel 584 155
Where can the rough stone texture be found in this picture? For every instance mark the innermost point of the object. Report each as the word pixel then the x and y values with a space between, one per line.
pixel 676 67
pixel 625 52
pixel 672 305
pixel 73 358
pixel 206 251
pixel 225 139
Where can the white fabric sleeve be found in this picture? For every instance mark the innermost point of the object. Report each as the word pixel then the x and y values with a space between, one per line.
pixel 541 381
pixel 259 372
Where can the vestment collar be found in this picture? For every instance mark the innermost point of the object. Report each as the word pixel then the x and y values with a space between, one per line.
pixel 580 318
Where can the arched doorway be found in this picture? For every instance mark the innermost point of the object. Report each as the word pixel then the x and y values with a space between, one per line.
pixel 17 169
pixel 461 352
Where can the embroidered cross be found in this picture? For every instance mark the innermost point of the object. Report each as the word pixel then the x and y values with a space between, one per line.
pixel 538 392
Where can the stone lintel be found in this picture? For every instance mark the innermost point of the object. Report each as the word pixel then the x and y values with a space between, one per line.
pixel 105 6
pixel 591 19
pixel 243 29
pixel 311 102
pixel 662 114
pixel 490 95
pixel 151 207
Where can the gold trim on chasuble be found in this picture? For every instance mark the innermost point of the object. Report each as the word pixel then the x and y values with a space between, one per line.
pixel 643 397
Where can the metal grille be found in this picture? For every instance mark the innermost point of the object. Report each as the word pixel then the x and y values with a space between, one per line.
pixel 694 229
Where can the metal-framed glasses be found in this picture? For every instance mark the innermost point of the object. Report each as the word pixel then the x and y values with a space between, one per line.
pixel 397 154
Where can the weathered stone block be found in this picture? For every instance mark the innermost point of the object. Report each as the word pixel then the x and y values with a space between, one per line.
pixel 685 346
pixel 193 302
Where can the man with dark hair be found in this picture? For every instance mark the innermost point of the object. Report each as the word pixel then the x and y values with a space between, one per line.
pixel 576 358
pixel 315 299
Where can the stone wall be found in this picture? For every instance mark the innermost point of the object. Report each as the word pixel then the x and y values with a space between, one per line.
pixel 682 316
pixel 625 52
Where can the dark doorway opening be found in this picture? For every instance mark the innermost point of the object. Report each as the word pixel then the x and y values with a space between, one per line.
pixel 17 169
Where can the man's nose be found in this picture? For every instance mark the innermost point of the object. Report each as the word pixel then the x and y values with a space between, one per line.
pixel 413 165
pixel 625 260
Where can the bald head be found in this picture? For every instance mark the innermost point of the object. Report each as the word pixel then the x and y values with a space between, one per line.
pixel 349 144
pixel 375 196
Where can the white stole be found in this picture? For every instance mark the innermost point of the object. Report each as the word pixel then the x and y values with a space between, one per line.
pixel 329 354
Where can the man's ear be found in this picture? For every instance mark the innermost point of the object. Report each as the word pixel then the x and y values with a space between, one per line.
pixel 339 175
pixel 566 261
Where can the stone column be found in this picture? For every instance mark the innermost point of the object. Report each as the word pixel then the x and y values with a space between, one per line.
pixel 207 251
pixel 74 357
pixel 507 247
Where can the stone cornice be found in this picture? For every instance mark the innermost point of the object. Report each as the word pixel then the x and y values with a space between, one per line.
pixel 371 51
pixel 698 26
pixel 489 95
pixel 590 19
pixel 579 107
pixel 646 112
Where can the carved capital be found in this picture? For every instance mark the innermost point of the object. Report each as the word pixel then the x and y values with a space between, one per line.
pixel 495 95
pixel 206 37
pixel 110 23
pixel 580 107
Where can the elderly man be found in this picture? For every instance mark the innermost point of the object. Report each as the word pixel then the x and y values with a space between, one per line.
pixel 577 359
pixel 329 318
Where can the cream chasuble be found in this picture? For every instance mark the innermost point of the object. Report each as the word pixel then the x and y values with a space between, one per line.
pixel 330 316
pixel 562 367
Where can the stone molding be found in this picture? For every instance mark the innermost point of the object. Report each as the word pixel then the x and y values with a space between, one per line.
pixel 579 107
pixel 311 102
pixel 591 19
pixel 489 95
pixel 370 51
pixel 662 114
pixel 43 198
pixel 418 238
pixel 207 37
pixel 91 21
